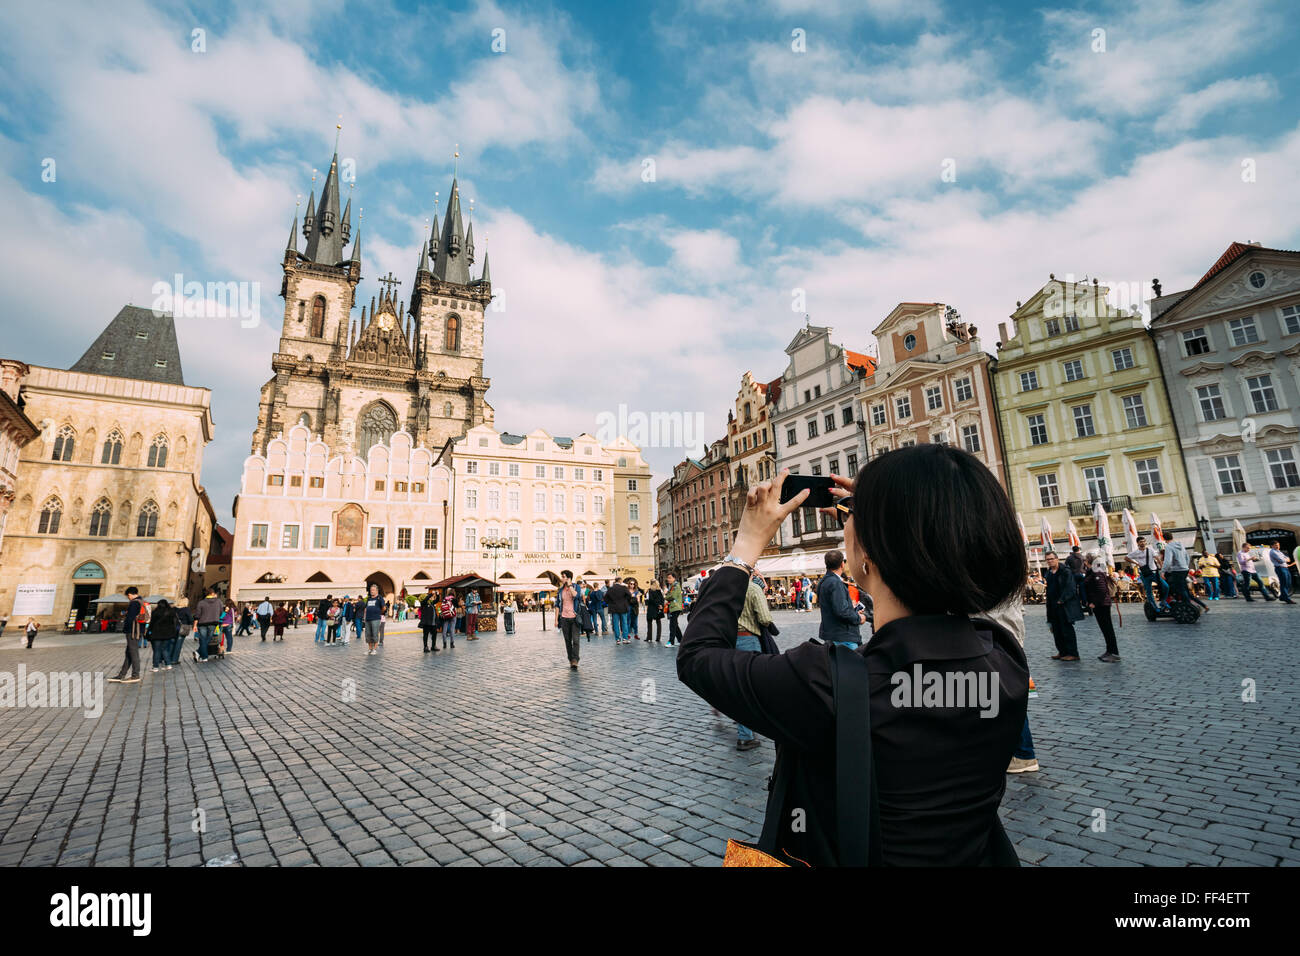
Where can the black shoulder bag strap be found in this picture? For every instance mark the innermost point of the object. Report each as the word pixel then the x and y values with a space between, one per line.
pixel 855 778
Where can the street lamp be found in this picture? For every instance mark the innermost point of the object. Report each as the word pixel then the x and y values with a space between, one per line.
pixel 1204 525
pixel 496 546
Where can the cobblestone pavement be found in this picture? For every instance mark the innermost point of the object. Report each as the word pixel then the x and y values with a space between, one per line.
pixel 495 753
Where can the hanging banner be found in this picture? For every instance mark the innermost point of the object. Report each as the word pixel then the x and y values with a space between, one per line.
pixel 34 600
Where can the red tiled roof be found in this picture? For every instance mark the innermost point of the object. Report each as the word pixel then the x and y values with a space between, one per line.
pixel 773 389
pixel 860 360
pixel 1231 255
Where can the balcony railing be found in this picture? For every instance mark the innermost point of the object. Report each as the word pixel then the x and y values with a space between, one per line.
pixel 1083 509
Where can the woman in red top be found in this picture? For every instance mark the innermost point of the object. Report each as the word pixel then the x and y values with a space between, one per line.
pixel 278 620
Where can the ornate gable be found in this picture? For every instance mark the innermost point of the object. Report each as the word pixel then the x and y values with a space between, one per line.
pixel 382 341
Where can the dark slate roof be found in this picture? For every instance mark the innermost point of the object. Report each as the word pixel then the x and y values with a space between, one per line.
pixel 135 357
pixel 509 439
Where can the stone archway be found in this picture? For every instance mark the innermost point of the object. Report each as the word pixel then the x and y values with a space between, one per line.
pixel 385 583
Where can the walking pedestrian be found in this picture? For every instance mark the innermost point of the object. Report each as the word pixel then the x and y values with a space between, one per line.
pixel 280 618
pixel 598 606
pixel 1282 565
pixel 654 613
pixel 245 620
pixel 1209 565
pixel 676 604
pixel 634 600
pixel 228 626
pixel 566 616
pixel 508 610
pixel 429 619
pixel 32 628
pixel 374 615
pixel 1227 578
pixel 447 614
pixel 1147 562
pixel 209 622
pixel 164 628
pixel 264 612
pixel 618 600
pixel 135 622
pixel 1099 590
pixel 1246 561
pixel 1062 608
pixel 322 617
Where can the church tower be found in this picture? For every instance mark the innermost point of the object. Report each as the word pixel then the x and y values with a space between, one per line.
pixel 355 383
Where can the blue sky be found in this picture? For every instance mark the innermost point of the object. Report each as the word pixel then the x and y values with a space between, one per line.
pixel 776 169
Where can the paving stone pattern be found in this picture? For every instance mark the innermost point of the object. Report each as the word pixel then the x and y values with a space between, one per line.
pixel 495 753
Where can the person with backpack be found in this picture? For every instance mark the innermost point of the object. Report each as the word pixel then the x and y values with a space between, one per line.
pixel 134 623
pixel 164 626
pixel 322 617
pixel 619 599
pixel 209 619
pixel 228 626
pixel 447 614
pixel 473 604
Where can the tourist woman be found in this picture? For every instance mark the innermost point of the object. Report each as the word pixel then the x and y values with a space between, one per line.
pixel 654 612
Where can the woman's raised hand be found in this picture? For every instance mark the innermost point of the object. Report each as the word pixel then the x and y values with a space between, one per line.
pixel 763 515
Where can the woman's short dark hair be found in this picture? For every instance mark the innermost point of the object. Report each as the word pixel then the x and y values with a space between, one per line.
pixel 940 530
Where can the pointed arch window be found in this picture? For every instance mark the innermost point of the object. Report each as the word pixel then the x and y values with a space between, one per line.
pixel 378 422
pixel 64 440
pixel 318 317
pixel 100 518
pixel 158 452
pixel 51 512
pixel 453 334
pixel 146 526
pixel 112 449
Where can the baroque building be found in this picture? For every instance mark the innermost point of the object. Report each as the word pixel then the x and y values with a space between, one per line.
pixel 108 494
pixel 1229 350
pixel 931 385
pixel 1084 417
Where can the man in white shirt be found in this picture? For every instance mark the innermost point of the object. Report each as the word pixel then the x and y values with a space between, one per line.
pixel 1148 565
pixel 1246 561
pixel 264 612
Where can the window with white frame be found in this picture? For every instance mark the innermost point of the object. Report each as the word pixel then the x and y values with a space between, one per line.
pixel 494 500
pixel 633 511
pixel 877 414
pixel 1291 319
pixel 1135 413
pixel 1231 479
pixel 1196 341
pixel 828 424
pixel 512 469
pixel 289 537
pixel 512 501
pixel 1073 370
pixel 1072 323
pixel 513 535
pixel 963 389
pixel 539 471
pixel 1282 468
pixel 1083 427
pixel 1243 330
pixel 1052 327
pixel 1211 402
pixel 376 539
pixel 599 537
pixel 580 540
pixel 1121 359
pixel 1262 396
pixel 559 539
pixel 471 468
pixel 598 504
pixel 903 406
pixel 494 468
pixel 320 536
pixel 558 472
pixel 791 438
pixel 970 438
pixel 939 438
pixel 471 539
pixel 598 474
pixel 403 539
pixel 1029 380
pixel 471 499
pixel 539 539
pixel 812 428
pixel 258 535
pixel 579 503
pixel 933 398
pixel 539 501
pixel 1148 475
pixel 634 544
pixel 1048 492
pixel 430 539
pixel 1094 477
pixel 558 500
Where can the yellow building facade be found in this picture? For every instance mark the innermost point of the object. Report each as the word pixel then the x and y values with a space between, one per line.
pixel 1084 418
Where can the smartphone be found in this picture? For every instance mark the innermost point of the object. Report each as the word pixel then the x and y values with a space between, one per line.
pixel 818 497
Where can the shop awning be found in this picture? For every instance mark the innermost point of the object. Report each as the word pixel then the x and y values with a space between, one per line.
pixel 459 581
pixel 293 592
pixel 803 562
pixel 528 587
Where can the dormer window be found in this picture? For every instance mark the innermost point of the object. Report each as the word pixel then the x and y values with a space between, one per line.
pixel 108 356
pixel 141 334
pixel 160 363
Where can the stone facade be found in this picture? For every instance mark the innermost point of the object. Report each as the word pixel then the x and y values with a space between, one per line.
pixel 1084 417
pixel 701 516
pixel 634 504
pixel 109 494
pixel 1229 348
pixel 16 430
pixel 931 385
pixel 753 451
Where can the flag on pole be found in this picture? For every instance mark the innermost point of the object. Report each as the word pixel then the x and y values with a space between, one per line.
pixel 1130 532
pixel 1045 535
pixel 1024 535
pixel 1156 533
pixel 1072 533
pixel 1103 533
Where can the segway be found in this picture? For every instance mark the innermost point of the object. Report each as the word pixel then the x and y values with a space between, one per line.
pixel 1184 612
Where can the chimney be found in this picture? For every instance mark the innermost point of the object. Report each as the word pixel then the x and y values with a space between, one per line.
pixel 1002 333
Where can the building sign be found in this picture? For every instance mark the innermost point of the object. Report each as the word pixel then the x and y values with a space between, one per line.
pixel 536 557
pixel 34 600
pixel 88 571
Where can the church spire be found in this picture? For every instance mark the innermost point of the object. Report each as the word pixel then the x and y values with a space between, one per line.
pixel 346 225
pixel 292 247
pixel 356 249
pixel 487 273
pixel 325 244
pixel 469 245
pixel 451 264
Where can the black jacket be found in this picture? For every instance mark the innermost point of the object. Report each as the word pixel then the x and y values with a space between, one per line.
pixel 164 625
pixel 1062 595
pixel 619 598
pixel 940 772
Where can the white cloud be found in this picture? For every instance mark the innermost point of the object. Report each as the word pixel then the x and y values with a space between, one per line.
pixel 1191 109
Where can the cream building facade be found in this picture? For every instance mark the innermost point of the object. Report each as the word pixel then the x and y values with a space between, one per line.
pixel 16 430
pixel 1085 418
pixel 109 493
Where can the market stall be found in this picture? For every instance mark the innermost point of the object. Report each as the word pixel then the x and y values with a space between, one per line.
pixel 462 584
